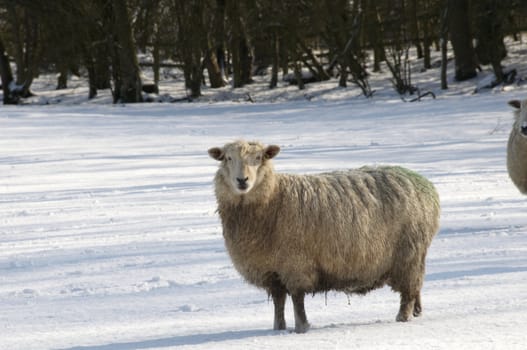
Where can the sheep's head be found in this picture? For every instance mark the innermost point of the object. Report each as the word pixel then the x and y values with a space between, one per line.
pixel 521 111
pixel 241 162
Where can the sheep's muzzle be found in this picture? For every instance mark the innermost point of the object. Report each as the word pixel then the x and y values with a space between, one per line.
pixel 242 183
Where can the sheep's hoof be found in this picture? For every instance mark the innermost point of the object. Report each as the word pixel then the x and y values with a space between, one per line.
pixel 402 317
pixel 302 328
pixel 279 326
pixel 417 311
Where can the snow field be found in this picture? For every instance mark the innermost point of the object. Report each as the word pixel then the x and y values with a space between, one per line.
pixel 109 237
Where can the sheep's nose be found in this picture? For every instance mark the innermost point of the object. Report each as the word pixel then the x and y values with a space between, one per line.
pixel 242 182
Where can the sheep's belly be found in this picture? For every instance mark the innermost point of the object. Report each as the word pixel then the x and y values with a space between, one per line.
pixel 350 285
pixel 264 275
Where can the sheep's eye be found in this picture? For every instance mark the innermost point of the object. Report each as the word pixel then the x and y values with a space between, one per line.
pixel 229 158
pixel 258 158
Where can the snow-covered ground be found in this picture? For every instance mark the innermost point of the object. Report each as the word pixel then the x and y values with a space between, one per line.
pixel 109 237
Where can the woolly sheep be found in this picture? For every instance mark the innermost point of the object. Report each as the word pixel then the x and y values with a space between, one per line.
pixel 517 146
pixel 350 231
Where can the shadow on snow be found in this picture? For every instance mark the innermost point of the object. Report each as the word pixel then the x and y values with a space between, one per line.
pixel 474 273
pixel 191 339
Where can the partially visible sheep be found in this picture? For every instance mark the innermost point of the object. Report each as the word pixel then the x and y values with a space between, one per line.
pixel 517 146
pixel 350 231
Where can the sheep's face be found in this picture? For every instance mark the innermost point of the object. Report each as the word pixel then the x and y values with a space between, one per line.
pixel 521 109
pixel 241 162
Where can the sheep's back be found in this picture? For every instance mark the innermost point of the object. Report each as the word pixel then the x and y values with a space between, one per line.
pixel 350 202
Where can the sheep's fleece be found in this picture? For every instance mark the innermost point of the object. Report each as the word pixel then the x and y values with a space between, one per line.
pixel 517 146
pixel 351 231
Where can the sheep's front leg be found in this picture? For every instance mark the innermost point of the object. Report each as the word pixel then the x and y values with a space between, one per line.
pixel 279 295
pixel 301 324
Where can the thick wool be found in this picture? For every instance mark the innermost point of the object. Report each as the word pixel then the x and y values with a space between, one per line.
pixel 350 231
pixel 517 147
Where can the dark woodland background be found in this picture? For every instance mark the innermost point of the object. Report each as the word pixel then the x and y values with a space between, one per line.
pixel 215 41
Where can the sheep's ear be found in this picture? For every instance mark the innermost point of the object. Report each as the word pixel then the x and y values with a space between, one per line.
pixel 271 151
pixel 515 104
pixel 216 153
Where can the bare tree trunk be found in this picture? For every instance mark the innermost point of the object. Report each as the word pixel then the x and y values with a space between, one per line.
pixel 195 78
pixel 426 45
pixel 215 60
pixel 414 28
pixel 236 70
pixel 31 54
pixel 240 47
pixel 10 96
pixel 92 76
pixel 130 80
pixel 62 80
pixel 374 34
pixel 192 41
pixel 461 38
pixel 156 63
pixel 246 61
pixel 444 42
pixel 343 80
pixel 101 55
pixel 298 75
pixel 215 76
pixel 284 58
pixel 490 49
pixel 241 61
pixel 276 60
pixel 349 60
pixel 25 31
pixel 318 71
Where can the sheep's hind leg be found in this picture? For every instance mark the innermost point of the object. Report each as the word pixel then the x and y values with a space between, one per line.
pixel 279 295
pixel 411 281
pixel 407 307
pixel 418 309
pixel 301 324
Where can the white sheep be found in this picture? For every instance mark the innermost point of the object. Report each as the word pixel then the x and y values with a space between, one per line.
pixel 517 146
pixel 350 231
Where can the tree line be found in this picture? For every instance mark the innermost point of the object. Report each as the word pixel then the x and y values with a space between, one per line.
pixel 234 40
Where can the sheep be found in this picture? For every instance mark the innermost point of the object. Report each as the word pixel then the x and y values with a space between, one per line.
pixel 517 146
pixel 351 231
